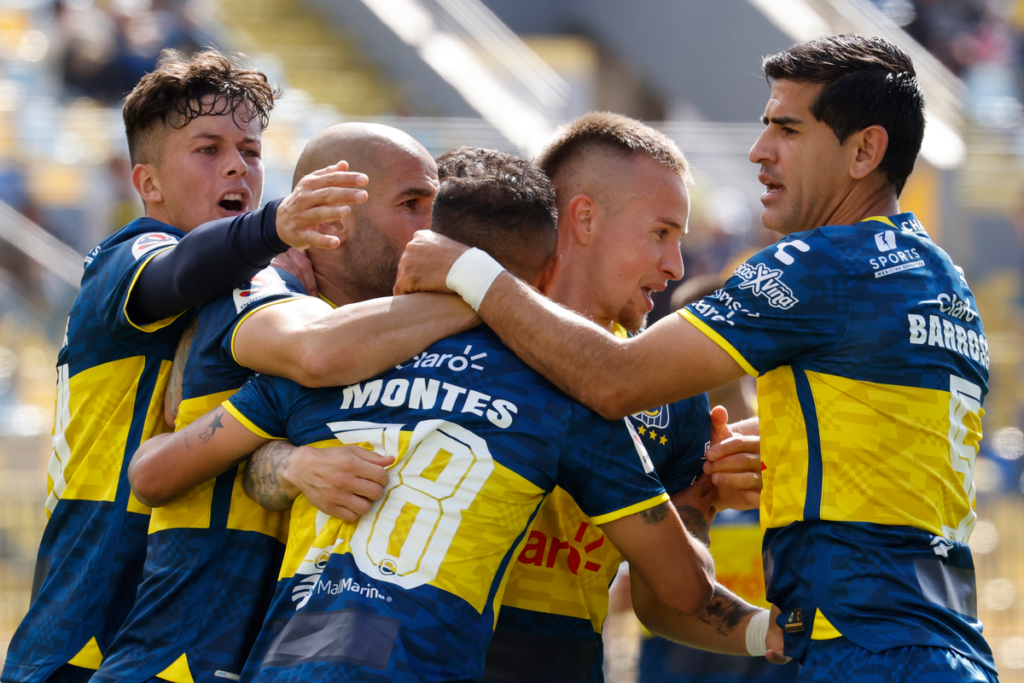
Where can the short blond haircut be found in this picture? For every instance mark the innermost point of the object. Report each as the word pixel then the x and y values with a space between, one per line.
pixel 603 131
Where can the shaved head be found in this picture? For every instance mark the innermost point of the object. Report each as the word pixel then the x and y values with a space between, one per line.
pixel 365 146
pixel 401 189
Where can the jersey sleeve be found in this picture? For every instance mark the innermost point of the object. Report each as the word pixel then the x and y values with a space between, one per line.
pixel 269 287
pixel 790 299
pixel 120 271
pixel 261 405
pixel 602 468
pixel 691 438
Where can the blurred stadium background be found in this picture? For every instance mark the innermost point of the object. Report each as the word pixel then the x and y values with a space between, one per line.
pixel 504 74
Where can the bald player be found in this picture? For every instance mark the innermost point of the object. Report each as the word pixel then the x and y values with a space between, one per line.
pixel 213 554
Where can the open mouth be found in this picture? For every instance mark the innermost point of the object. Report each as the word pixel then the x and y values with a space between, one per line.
pixel 233 202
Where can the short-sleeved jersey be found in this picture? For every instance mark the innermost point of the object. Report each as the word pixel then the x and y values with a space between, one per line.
pixel 213 553
pixel 111 376
pixel 556 600
pixel 872 366
pixel 412 591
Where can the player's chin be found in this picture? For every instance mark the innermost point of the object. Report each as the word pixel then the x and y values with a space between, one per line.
pixel 632 318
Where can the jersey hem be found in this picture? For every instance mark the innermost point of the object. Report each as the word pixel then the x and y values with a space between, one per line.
pixel 631 510
pixel 159 324
pixel 234 329
pixel 718 339
pixel 247 423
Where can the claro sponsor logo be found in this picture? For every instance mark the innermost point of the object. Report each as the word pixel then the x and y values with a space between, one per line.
pixel 541 551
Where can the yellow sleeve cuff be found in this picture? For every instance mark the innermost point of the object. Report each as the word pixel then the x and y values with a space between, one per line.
pixel 247 423
pixel 690 317
pixel 631 510
pixel 159 324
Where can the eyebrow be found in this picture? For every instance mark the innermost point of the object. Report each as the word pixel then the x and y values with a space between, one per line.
pixel 216 136
pixel 781 120
pixel 669 223
pixel 417 192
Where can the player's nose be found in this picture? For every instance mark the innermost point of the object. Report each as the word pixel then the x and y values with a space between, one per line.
pixel 761 151
pixel 672 261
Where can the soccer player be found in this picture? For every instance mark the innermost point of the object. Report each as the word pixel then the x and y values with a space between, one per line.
pixel 411 591
pixel 196 621
pixel 621 190
pixel 871 360
pixel 194 129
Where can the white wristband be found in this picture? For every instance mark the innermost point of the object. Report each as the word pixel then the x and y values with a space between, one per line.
pixel 472 275
pixel 757 634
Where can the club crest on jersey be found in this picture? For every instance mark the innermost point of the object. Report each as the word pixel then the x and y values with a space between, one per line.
pixel 766 282
pixel 265 283
pixel 150 241
pixel 656 419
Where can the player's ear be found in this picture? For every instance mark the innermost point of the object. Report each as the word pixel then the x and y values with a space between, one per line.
pixel 147 183
pixel 869 147
pixel 548 273
pixel 580 217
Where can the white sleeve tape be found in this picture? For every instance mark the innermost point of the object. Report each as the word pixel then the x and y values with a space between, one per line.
pixel 757 634
pixel 472 275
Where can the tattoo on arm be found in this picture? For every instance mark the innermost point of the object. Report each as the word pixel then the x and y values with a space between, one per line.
pixel 695 522
pixel 655 514
pixel 725 612
pixel 262 479
pixel 216 422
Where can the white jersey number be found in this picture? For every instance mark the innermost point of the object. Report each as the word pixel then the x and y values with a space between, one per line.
pixel 965 397
pixel 406 534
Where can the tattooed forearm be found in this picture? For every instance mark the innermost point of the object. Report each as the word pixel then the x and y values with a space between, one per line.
pixel 695 522
pixel 263 475
pixel 655 514
pixel 725 612
pixel 216 422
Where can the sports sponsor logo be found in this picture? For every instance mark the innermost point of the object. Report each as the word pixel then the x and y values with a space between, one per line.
pixel 766 282
pixel 945 334
pixel 896 261
pixel 953 306
pixel 885 241
pixel 146 243
pixel 264 284
pixel 657 418
pixel 539 552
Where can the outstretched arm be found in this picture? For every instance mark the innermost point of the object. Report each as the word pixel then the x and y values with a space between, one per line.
pixel 222 254
pixel 167 465
pixel 311 344
pixel 669 362
pixel 342 481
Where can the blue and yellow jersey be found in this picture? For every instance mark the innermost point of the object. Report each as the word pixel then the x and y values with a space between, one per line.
pixel 872 366
pixel 556 600
pixel 111 376
pixel 213 553
pixel 736 549
pixel 412 591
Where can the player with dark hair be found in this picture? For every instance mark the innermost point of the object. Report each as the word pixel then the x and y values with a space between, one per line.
pixel 872 367
pixel 194 127
pixel 196 621
pixel 410 591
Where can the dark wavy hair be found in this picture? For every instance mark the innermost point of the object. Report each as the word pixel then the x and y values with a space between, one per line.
pixel 867 82
pixel 181 89
pixel 500 203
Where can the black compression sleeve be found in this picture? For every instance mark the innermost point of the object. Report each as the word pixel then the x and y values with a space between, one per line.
pixel 211 260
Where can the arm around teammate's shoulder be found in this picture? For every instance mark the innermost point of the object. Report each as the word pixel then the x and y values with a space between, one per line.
pixel 676 567
pixel 671 361
pixel 311 344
